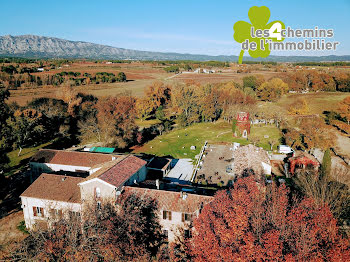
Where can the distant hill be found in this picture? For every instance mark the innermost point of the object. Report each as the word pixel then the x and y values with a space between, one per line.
pixel 32 46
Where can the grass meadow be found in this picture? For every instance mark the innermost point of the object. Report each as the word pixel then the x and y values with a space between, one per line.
pixel 177 143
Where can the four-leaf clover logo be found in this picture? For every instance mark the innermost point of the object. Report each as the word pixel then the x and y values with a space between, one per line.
pixel 259 17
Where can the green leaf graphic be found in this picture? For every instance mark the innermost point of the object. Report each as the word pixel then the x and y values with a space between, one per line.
pixel 259 18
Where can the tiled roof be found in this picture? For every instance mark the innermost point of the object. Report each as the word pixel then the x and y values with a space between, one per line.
pixel 170 200
pixel 249 157
pixel 55 187
pixel 122 170
pixel 72 158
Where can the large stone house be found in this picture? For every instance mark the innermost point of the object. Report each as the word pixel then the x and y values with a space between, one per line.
pixel 65 195
pixel 176 209
pixel 107 183
pixel 60 161
pixel 53 196
pixel 251 159
pixel 49 198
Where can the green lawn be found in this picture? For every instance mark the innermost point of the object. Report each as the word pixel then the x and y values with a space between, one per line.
pixel 177 143
pixel 266 130
pixel 18 162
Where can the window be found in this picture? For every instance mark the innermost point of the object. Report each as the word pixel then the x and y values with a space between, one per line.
pixel 187 233
pixel 38 211
pixel 74 215
pixel 186 217
pixel 167 215
pixel 98 204
pixel 56 213
pixel 98 192
pixel 166 234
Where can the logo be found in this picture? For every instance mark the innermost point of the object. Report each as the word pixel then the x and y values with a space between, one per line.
pixel 253 36
pixel 260 37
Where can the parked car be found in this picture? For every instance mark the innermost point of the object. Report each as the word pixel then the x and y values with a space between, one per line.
pixel 283 149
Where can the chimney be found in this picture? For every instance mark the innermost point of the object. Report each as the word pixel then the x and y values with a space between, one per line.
pixel 64 178
pixel 157 184
pixel 184 195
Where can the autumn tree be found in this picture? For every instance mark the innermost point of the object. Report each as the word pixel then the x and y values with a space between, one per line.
pixel 344 109
pixel 342 81
pixel 329 83
pixel 158 93
pixel 272 142
pixel 254 139
pixel 69 95
pixel 314 81
pixel 316 134
pixel 297 81
pixel 253 82
pixel 208 103
pixel 116 117
pixel 27 128
pixel 184 104
pixel 232 100
pixel 90 130
pixel 55 113
pixel 272 89
pixel 309 133
pixel 130 232
pixel 254 223
pixel 144 107
pixel 323 188
pixel 293 137
pixel 299 107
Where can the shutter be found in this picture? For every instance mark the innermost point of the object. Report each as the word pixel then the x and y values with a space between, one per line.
pixel 60 213
pixel 169 215
pixel 42 211
pixel 164 214
pixel 183 217
pixel 34 211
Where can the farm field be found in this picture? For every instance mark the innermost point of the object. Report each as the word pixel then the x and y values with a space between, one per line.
pixel 221 77
pixel 177 143
pixel 139 75
pixel 318 102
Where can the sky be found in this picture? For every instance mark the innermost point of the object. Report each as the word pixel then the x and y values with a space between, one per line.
pixel 190 26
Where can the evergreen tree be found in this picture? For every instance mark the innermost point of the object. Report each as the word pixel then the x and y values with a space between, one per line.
pixel 326 163
pixel 5 130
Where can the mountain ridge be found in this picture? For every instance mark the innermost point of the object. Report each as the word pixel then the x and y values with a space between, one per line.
pixel 33 46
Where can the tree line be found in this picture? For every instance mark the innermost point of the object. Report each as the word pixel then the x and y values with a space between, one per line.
pixel 12 77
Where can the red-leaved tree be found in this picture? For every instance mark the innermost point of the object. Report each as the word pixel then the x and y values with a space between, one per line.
pixel 257 223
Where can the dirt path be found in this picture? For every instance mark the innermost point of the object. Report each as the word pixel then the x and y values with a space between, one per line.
pixel 223 133
pixel 9 233
pixel 342 144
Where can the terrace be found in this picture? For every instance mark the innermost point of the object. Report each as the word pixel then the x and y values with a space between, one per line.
pixel 216 165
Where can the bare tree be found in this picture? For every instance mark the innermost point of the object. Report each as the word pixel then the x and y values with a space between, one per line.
pixel 324 189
